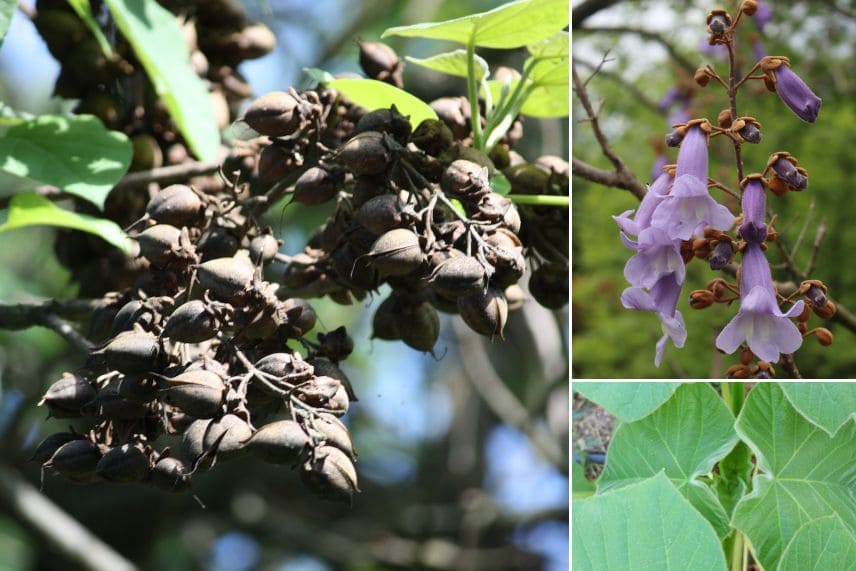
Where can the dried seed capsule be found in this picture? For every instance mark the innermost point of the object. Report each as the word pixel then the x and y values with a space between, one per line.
pixel 274 114
pixel 506 257
pixel 381 214
pixel 465 180
pixel 327 393
pixel 384 322
pixel 285 366
pixel 51 444
pixel 67 396
pixel 494 207
pixel 318 185
pixel 176 205
pixel 193 444
pixel 721 255
pixel 454 112
pixel 335 434
pixel 380 62
pixel 432 136
pixel 191 322
pixel 419 326
pixel 335 345
pixel 130 313
pixel 275 162
pixel 226 278
pixel 527 179
pixel 280 442
pixel 485 312
pixel 549 285
pixel 552 163
pixel 131 352
pixel 457 276
pixel 159 243
pixel 366 153
pixel 76 460
pixel 217 242
pixel 123 464
pixel 139 390
pixel 300 318
pixel 263 248
pixel 198 393
pixel 109 404
pixel 396 253
pixel 170 475
pixel 330 474
pixel 385 121
pixel 324 368
pixel 235 433
pixel 353 270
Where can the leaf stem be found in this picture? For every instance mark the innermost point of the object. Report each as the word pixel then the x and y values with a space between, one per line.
pixel 540 199
pixel 507 104
pixel 472 91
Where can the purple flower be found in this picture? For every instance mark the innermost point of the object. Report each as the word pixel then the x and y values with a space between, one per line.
pixel 663 300
pixel 763 15
pixel 796 94
pixel 642 220
pixel 656 170
pixel 682 115
pixel 718 51
pixel 786 171
pixel 669 97
pixel 753 229
pixel 656 255
pixel 760 323
pixel 758 49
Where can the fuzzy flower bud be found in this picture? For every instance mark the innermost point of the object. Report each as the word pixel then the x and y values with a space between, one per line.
pixel 796 94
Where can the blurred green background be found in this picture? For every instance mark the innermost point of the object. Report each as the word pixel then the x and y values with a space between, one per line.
pixel 612 342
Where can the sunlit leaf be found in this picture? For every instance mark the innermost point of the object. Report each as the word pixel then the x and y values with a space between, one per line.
pixel 827 405
pixel 73 152
pixel 453 63
pixel 627 401
pixel 372 94
pixel 31 209
pixel 804 473
pixel 644 526
pixel 318 75
pixel 84 11
pixel 158 42
pixel 511 25
pixel 556 46
pixel 685 437
pixel 820 545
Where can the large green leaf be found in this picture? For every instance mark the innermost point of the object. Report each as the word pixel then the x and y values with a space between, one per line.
pixel 511 25
pixel 453 63
pixel 31 209
pixel 627 401
pixel 159 44
pixel 645 526
pixel 556 46
pixel 580 486
pixel 827 405
pixel 820 545
pixel 805 473
pixel 84 11
pixel 685 437
pixel 73 152
pixel 372 94
pixel 7 10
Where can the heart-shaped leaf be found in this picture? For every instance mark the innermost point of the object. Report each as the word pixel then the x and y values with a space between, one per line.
pixel 627 401
pixel 30 209
pixel 684 437
pixel 644 526
pixel 511 25
pixel 372 94
pixel 453 63
pixel 804 473
pixel 73 152
pixel 827 405
pixel 158 42
pixel 820 545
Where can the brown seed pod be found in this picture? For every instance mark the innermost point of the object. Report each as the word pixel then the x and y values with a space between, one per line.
pixel 132 312
pixel 76 460
pixel 131 352
pixel 385 121
pixel 275 162
pixel 263 248
pixel 299 319
pixel 324 368
pixel 527 179
pixel 367 153
pixel 549 285
pixel 318 185
pixel 67 396
pixel 330 474
pixel 485 312
pixel 432 136
pixel 385 321
pixel 494 207
pixel 170 475
pixel 454 112
pixel 176 205
pixel 123 464
pixel 198 393
pixel 139 390
pixel 280 442
pixel 465 180
pixel 193 444
pixel 419 326
pixel 234 431
pixel 191 322
pixel 159 243
pixel 506 257
pixel 353 270
pixel 380 62
pixel 226 278
pixel 458 275
pixel 396 253
pixel 111 405
pixel 51 444
pixel 335 434
pixel 274 114
pixel 217 242
pixel 381 214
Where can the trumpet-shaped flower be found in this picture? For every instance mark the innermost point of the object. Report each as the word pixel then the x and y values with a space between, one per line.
pixel 642 220
pixel 760 322
pixel 796 94
pixel 753 229
pixel 663 300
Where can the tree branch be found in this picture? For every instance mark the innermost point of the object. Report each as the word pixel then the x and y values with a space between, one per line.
pixel 588 8
pixel 61 530
pixel 53 315
pixel 648 35
pixel 607 178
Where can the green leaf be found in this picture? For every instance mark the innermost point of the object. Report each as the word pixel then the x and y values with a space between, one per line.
pixel 556 46
pixel 73 152
pixel 547 98
pixel 31 209
pixel 580 486
pixel 372 94
pixel 827 405
pixel 820 545
pixel 627 401
pixel 84 11
pixel 645 526
pixel 805 473
pixel 511 25
pixel 7 10
pixel 500 185
pixel 318 75
pixel 159 44
pixel 685 437
pixel 453 63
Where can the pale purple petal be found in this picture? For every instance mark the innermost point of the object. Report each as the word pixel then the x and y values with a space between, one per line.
pixel 692 158
pixel 732 335
pixel 763 15
pixel 796 310
pixel 637 298
pixel 796 94
pixel 688 209
pixel 754 203
pixel 627 225
pixel 657 256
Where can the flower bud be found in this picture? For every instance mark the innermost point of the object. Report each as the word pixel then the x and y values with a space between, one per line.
pixel 674 139
pixel 724 118
pixel 718 21
pixel 824 336
pixel 738 372
pixel 702 76
pixel 751 133
pixel 816 296
pixel 749 7
pixel 701 298
pixel 721 255
pixel 826 311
